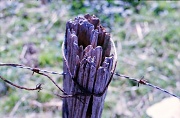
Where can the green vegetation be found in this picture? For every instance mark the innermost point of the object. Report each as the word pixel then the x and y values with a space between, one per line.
pixel 146 34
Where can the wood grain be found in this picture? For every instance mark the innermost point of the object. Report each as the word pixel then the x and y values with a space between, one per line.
pixel 87 48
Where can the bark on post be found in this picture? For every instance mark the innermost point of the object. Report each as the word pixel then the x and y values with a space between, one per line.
pixel 87 59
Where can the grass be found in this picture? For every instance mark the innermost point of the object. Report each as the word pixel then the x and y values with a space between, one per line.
pixel 147 42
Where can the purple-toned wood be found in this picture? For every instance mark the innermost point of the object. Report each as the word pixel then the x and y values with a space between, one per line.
pixel 87 49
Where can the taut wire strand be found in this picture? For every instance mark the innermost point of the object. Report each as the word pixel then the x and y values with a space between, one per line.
pixel 144 82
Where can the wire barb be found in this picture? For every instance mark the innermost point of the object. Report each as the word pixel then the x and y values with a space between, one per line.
pixel 144 82
pixel 36 70
pixel 85 92
pixel 38 86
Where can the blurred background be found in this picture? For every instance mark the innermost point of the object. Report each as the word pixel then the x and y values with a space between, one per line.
pixel 146 34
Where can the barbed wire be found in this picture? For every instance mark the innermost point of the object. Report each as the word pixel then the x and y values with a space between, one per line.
pixel 34 70
pixel 144 82
pixel 40 71
pixel 30 68
pixel 38 86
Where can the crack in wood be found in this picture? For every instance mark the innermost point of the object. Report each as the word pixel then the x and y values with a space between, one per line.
pixel 88 65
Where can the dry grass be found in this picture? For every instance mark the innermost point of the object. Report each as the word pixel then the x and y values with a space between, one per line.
pixel 147 44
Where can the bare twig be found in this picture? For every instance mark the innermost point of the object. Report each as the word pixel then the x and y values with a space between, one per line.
pixel 17 105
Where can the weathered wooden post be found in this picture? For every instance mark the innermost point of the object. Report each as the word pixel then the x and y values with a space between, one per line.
pixel 88 66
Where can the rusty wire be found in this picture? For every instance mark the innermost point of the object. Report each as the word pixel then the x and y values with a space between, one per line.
pixel 38 86
pixel 84 91
pixel 144 82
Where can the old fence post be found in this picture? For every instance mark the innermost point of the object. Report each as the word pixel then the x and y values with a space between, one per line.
pixel 88 65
